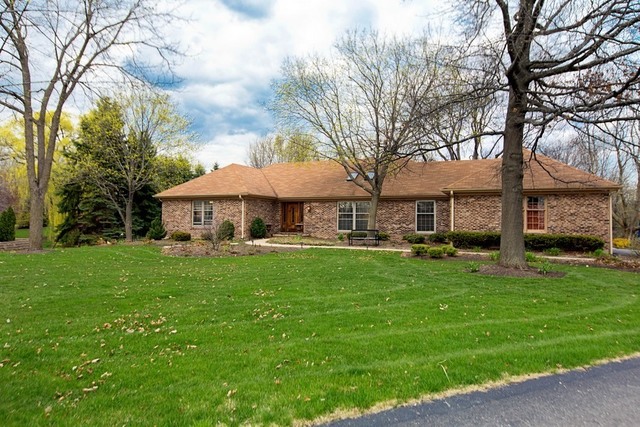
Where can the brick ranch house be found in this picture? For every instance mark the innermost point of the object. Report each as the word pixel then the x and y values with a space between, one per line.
pixel 319 199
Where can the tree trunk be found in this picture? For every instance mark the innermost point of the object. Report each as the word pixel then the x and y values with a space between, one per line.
pixel 373 210
pixel 36 216
pixel 512 252
pixel 128 220
pixel 635 221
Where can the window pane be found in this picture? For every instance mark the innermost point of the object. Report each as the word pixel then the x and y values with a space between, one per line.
pixel 345 221
pixel 362 207
pixel 535 213
pixel 197 217
pixel 425 216
pixel 345 207
pixel 208 214
pixel 362 221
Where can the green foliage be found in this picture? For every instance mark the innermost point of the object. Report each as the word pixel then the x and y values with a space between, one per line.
pixel 473 267
pixel 419 249
pixel 533 241
pixel 180 236
pixel 414 238
pixel 157 230
pixel 545 268
pixel 553 251
pixel 600 253
pixel 7 225
pixel 226 230
pixel 435 252
pixel 494 256
pixel 258 229
pixel 341 237
pixel 384 236
pixel 567 242
pixel 530 257
pixel 437 237
pixel 450 250
pixel 472 239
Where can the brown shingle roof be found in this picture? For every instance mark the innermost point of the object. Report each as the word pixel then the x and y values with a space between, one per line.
pixel 230 181
pixel 327 180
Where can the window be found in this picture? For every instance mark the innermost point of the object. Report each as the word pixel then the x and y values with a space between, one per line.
pixel 202 212
pixel 535 214
pixel 426 216
pixel 353 213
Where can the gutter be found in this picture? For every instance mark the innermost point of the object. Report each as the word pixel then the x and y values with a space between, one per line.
pixel 242 222
pixel 452 204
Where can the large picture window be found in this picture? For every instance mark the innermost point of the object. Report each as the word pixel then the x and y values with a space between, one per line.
pixel 426 216
pixel 535 214
pixel 353 215
pixel 202 212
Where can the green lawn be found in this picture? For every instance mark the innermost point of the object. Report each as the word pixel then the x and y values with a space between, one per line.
pixel 123 335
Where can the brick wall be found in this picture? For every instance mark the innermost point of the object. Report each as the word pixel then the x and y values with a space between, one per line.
pixel 396 217
pixel 268 210
pixel 566 214
pixel 176 215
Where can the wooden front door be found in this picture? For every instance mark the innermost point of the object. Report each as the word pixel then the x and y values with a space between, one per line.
pixel 292 217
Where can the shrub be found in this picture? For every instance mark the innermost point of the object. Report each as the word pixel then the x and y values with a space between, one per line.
pixel 472 239
pixel 181 236
pixel 414 238
pixel 384 236
pixel 156 230
pixel 567 242
pixel 226 230
pixel 341 237
pixel 473 267
pixel 258 228
pixel 450 250
pixel 88 240
pixel 435 252
pixel 530 257
pixel 7 225
pixel 70 238
pixel 419 249
pixel 553 251
pixel 438 237
pixel 600 253
pixel 494 256
pixel 545 268
pixel 621 243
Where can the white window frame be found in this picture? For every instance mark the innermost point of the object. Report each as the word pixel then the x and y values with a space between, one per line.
pixel 526 216
pixel 433 202
pixel 354 214
pixel 205 208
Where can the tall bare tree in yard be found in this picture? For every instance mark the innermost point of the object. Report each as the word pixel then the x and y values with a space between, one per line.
pixel 49 50
pixel 550 47
pixel 364 104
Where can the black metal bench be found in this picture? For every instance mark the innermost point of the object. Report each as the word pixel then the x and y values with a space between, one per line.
pixel 369 235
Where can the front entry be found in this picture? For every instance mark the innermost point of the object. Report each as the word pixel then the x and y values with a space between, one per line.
pixel 292 217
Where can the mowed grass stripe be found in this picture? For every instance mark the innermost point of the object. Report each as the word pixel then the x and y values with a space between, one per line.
pixel 117 335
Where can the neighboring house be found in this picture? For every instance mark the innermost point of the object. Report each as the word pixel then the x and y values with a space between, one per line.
pixel 319 199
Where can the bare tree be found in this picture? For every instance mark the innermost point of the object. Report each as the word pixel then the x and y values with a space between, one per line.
pixel 281 149
pixel 364 104
pixel 551 48
pixel 50 49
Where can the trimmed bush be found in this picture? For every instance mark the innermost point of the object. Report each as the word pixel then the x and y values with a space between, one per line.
pixel 156 230
pixel 384 236
pixel 450 250
pixel 552 251
pixel 419 249
pixel 414 238
pixel 180 236
pixel 532 242
pixel 435 252
pixel 621 243
pixel 473 239
pixel 7 225
pixel 258 229
pixel 226 230
pixel 438 237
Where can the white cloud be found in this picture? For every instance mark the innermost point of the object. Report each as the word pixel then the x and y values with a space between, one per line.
pixel 235 49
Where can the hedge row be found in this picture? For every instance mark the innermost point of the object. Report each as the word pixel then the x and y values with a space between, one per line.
pixel 534 242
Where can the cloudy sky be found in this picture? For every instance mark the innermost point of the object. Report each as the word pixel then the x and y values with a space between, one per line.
pixel 235 49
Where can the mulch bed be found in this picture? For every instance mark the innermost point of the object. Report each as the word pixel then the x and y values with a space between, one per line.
pixel 202 249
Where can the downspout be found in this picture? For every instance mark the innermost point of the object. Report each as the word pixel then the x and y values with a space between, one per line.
pixel 451 209
pixel 610 223
pixel 242 217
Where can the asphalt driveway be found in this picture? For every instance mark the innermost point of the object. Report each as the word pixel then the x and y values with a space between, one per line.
pixel 606 395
